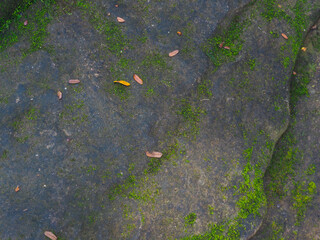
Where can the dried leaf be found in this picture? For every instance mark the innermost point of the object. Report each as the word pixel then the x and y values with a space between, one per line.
pixel 123 83
pixel 179 33
pixel 17 189
pixel 173 53
pixel 154 154
pixel 74 81
pixel 294 73
pixel 221 45
pixel 25 23
pixel 116 5
pixel 314 27
pixel 50 235
pixel 226 47
pixel 137 78
pixel 304 49
pixel 120 20
pixel 59 94
pixel 284 36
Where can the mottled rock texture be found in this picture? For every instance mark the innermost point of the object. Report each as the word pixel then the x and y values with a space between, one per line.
pixel 215 110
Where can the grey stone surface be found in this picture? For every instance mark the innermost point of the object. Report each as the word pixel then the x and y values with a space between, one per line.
pixel 80 162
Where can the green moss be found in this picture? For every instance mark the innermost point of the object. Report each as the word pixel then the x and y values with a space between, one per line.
pixel 203 88
pixel 4 154
pixel 35 32
pixel 298 89
pixel 229 38
pixel 121 91
pixel 298 22
pixel 211 209
pixel 190 219
pixel 191 116
pixel 250 202
pixel 114 39
pixel 277 231
pixel 132 187
pixel 155 60
pixel 252 63
pixel 302 195
pixel 33 113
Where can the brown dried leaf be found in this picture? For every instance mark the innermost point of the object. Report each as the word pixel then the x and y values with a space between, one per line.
pixel 226 47
pixel 74 81
pixel 314 27
pixel 179 33
pixel 120 20
pixel 17 189
pixel 154 154
pixel 221 45
pixel 137 78
pixel 284 36
pixel 173 53
pixel 59 94
pixel 25 23
pixel 50 235
pixel 294 73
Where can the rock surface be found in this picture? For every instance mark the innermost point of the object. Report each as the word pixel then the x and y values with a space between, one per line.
pixel 215 111
pixel 292 178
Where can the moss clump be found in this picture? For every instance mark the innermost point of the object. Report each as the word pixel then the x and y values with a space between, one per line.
pixel 302 194
pixel 251 199
pixel 115 40
pixel 190 219
pixel 191 116
pixel 12 29
pixel 230 38
pixel 131 185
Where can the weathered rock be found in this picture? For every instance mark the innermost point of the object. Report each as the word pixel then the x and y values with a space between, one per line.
pixel 292 179
pixel 81 161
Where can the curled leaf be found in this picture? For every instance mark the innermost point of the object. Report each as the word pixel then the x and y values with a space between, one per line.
pixel 179 33
pixel 284 36
pixel 120 20
pixel 74 81
pixel 59 94
pixel 50 235
pixel 137 79
pixel 154 154
pixel 123 83
pixel 17 189
pixel 173 53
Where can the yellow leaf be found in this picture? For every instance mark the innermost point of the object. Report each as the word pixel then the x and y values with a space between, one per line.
pixel 304 49
pixel 123 83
